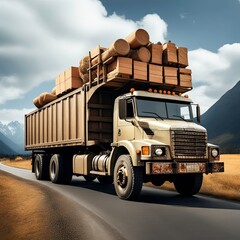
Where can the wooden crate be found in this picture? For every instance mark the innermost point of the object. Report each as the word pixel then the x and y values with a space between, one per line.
pixel 170 54
pixel 171 80
pixel 71 72
pixel 121 65
pixel 139 70
pixel 155 73
pixel 182 54
pixel 73 83
pixel 170 71
pixel 185 78
pixel 156 51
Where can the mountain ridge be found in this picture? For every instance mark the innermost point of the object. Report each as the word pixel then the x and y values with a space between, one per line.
pixel 222 121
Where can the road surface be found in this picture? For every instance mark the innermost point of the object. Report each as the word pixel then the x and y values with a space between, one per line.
pixel 93 211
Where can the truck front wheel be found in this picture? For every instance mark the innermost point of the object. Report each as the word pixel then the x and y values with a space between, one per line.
pixel 188 184
pixel 41 165
pixel 128 179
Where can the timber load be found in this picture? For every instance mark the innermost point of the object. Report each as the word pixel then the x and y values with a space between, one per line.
pixel 133 59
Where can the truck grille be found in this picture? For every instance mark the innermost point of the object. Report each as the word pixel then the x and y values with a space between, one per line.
pixel 189 144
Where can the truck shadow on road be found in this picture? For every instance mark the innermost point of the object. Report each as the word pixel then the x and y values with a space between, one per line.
pixel 163 197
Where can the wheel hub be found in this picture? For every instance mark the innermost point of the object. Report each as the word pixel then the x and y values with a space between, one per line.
pixel 122 176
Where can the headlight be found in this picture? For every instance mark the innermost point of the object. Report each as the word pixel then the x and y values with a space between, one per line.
pixel 159 152
pixel 214 152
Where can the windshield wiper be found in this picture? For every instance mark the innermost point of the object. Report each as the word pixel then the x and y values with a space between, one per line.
pixel 154 114
pixel 180 117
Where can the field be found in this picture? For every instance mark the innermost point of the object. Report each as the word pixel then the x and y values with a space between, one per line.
pixel 224 185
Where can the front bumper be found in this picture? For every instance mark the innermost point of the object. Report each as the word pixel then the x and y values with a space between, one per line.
pixel 183 167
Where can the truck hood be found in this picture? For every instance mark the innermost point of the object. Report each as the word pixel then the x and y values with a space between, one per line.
pixel 161 125
pixel 160 129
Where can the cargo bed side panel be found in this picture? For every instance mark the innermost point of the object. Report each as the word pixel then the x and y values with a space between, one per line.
pixel 58 124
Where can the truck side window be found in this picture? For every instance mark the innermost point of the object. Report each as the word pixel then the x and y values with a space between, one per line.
pixel 129 109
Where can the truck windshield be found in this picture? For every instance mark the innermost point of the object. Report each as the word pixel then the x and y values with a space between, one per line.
pixel 162 109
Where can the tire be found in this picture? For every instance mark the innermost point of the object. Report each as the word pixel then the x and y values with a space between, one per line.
pixel 128 179
pixel 41 165
pixel 105 179
pixel 60 170
pixel 188 184
pixel 89 178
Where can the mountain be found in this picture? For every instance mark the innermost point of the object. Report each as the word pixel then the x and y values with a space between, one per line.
pixel 12 136
pixel 222 121
pixel 6 146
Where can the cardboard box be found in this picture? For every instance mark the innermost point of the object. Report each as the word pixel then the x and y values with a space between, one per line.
pixel 171 80
pixel 121 65
pixel 156 53
pixel 182 54
pixel 139 70
pixel 155 73
pixel 170 54
pixel 170 72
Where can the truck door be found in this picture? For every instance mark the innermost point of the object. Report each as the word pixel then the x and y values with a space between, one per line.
pixel 125 128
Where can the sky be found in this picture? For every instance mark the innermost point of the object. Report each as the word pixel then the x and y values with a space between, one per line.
pixel 41 38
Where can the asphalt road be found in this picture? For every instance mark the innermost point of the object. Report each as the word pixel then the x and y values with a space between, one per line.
pixel 93 211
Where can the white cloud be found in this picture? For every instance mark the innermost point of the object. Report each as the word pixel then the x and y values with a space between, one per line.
pixel 39 39
pixel 214 73
pixel 7 115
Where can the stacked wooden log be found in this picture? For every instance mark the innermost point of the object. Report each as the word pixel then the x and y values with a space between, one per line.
pixel 137 58
pixel 133 57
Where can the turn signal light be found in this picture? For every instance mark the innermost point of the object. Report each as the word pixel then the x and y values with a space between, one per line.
pixel 132 90
pixel 145 150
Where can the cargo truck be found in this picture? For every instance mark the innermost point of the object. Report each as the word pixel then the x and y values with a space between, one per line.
pixel 127 127
pixel 122 136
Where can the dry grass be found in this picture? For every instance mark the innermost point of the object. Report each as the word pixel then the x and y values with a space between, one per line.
pixel 224 185
pixel 18 162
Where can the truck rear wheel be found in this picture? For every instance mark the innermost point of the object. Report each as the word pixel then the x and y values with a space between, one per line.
pixel 128 179
pixel 188 184
pixel 41 165
pixel 60 170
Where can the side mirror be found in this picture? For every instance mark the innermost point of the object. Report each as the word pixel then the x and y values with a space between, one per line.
pixel 122 108
pixel 198 114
